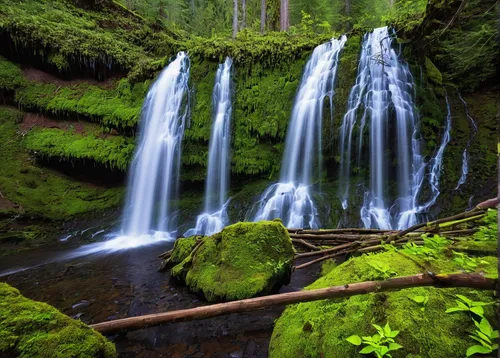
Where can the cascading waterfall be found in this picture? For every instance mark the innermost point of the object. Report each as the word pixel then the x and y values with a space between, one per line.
pixel 354 102
pixel 215 215
pixel 465 154
pixel 290 199
pixel 154 173
pixel 390 88
pixel 436 163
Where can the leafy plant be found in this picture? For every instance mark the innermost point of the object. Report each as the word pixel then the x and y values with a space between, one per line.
pixel 485 335
pixel 467 305
pixel 379 344
pixel 421 300
pixel 383 268
pixel 469 264
pixel 435 242
pixel 426 252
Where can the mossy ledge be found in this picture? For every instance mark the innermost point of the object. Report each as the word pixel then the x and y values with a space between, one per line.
pixel 33 329
pixel 321 328
pixel 244 260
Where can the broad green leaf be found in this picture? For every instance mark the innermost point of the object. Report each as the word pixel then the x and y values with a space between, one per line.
pixel 484 337
pixel 394 333
pixel 477 310
pixel 462 305
pixel 465 299
pixel 394 346
pixel 367 350
pixel 477 349
pixel 367 339
pixel 419 299
pixel 384 350
pixel 378 328
pixel 494 334
pixel 485 327
pixel 387 330
pixel 494 347
pixel 478 339
pixel 455 309
pixel 354 339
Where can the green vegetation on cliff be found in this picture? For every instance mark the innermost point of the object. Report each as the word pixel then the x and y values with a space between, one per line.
pixel 113 152
pixel 244 260
pixel 40 191
pixel 31 329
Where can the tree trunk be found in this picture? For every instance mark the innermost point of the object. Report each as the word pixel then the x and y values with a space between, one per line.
pixel 284 16
pixel 476 281
pixel 235 18
pixel 243 14
pixel 263 16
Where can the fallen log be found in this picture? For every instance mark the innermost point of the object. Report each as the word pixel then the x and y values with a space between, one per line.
pixel 338 231
pixel 306 244
pixel 476 281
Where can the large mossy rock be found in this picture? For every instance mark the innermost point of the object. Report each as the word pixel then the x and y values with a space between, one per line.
pixel 35 329
pixel 244 260
pixel 320 328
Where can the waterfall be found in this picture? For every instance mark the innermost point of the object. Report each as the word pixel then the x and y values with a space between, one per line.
pixel 154 172
pixel 465 154
pixel 215 215
pixel 354 102
pixel 436 163
pixel 390 90
pixel 290 198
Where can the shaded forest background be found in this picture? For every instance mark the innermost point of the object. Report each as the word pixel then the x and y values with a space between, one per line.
pixel 209 18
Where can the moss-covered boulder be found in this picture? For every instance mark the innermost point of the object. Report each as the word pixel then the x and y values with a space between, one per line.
pixel 35 329
pixel 320 329
pixel 244 260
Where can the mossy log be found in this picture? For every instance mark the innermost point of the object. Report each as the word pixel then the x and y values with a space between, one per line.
pixel 427 279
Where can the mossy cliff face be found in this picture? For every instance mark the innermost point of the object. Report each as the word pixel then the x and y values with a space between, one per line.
pixel 38 191
pixel 244 260
pixel 33 329
pixel 320 329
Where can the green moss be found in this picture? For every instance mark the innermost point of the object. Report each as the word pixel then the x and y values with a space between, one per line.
pixel 113 152
pixel 242 261
pixel 433 73
pixel 35 329
pixel 320 328
pixel 11 76
pixel 182 249
pixel 40 191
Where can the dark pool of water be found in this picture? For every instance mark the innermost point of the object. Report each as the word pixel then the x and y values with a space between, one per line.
pixel 101 287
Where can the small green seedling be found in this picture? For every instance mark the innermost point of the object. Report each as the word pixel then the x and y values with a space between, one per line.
pixel 485 335
pixel 469 264
pixel 466 305
pixel 421 300
pixel 379 344
pixel 383 268
pixel 427 253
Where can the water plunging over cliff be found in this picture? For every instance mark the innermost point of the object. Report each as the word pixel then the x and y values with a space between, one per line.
pixel 154 172
pixel 465 154
pixel 290 199
pixel 436 163
pixel 215 215
pixel 385 88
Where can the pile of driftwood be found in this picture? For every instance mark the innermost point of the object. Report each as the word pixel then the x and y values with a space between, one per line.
pixel 325 244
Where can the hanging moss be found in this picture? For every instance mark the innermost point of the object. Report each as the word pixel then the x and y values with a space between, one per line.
pixel 113 152
pixel 33 329
pixel 42 192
